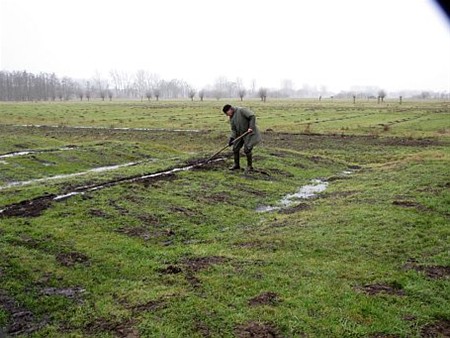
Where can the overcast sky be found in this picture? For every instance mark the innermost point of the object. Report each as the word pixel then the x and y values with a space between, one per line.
pixel 392 44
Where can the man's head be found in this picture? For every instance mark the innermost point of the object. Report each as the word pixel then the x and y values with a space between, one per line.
pixel 228 110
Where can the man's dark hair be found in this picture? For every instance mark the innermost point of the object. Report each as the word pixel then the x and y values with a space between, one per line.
pixel 226 108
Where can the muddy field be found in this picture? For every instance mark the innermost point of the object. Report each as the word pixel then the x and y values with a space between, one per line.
pixel 114 224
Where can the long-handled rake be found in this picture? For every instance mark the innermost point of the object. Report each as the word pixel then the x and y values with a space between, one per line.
pixel 234 141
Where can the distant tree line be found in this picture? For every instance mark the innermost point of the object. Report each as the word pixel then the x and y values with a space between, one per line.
pixel 142 85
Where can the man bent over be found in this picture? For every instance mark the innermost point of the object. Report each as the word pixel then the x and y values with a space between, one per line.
pixel 242 120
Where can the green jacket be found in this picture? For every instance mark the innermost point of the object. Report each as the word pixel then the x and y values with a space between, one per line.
pixel 241 120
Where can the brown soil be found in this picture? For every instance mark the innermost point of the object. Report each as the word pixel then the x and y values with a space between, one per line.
pixel 437 329
pixel 183 211
pixel 72 258
pixel 375 289
pixel 124 329
pixel 21 321
pixel 410 204
pixel 29 208
pixel 196 264
pixel 296 208
pixel 219 197
pixel 431 271
pixel 98 213
pixel 148 219
pixel 150 306
pixel 170 270
pixel 265 298
pixel 203 329
pixel 256 330
pixel 145 233
pixel 190 266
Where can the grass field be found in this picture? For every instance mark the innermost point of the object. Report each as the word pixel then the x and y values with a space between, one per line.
pixel 140 251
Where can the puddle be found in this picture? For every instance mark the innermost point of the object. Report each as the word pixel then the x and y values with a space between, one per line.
pixel 28 152
pixel 305 192
pixel 34 207
pixel 56 177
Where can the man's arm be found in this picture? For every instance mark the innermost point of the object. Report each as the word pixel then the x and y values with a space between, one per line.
pixel 251 119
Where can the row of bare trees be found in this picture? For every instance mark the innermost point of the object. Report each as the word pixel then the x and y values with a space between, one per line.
pixel 26 86
pixel 143 85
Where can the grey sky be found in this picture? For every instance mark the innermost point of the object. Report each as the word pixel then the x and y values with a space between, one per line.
pixel 392 44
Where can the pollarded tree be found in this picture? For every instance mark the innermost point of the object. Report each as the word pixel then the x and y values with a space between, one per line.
pixel 157 93
pixel 242 93
pixel 88 91
pixel 148 94
pixel 191 93
pixel 262 93
pixel 201 94
pixel 381 95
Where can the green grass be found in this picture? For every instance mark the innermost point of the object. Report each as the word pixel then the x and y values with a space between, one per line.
pixel 184 256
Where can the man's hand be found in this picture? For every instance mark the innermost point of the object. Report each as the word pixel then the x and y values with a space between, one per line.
pixel 250 130
pixel 230 141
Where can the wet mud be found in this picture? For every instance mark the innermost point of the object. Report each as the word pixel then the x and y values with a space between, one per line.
pixel 123 329
pixel 28 208
pixel 192 265
pixel 255 329
pixel 375 289
pixel 296 208
pixel 36 206
pixel 70 259
pixel 431 271
pixel 440 328
pixel 265 298
pixel 22 321
pixel 146 233
pixel 196 264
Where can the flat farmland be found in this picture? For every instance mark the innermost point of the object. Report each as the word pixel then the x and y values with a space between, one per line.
pixel 112 223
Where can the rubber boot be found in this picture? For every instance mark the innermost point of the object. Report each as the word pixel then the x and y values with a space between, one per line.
pixel 236 162
pixel 249 162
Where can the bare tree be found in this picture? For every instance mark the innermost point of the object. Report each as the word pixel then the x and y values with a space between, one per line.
pixel 88 91
pixel 242 93
pixel 148 94
pixel 381 95
pixel 140 83
pixel 110 94
pixel 201 94
pixel 262 92
pixel 157 93
pixel 191 93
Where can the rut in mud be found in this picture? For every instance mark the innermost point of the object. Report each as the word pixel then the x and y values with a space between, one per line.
pixel 65 176
pixel 34 207
pixel 28 152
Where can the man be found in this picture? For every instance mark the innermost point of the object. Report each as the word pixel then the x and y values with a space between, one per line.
pixel 242 120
